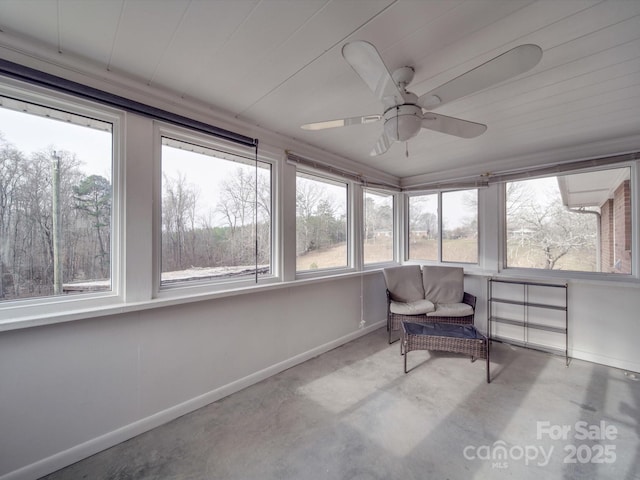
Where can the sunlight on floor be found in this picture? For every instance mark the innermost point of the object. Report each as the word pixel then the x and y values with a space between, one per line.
pixel 338 392
pixel 378 406
pixel 395 423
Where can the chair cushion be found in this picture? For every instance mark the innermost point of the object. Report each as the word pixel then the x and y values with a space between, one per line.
pixel 443 284
pixel 419 307
pixel 451 310
pixel 404 283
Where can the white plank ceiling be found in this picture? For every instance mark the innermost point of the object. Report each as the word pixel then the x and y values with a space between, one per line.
pixel 278 64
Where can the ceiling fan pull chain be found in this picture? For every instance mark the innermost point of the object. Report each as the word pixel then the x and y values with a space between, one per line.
pixel 406 151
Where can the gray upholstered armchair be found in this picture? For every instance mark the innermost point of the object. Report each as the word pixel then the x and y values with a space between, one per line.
pixel 433 294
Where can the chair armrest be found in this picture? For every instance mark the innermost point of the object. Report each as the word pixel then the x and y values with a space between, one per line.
pixel 469 300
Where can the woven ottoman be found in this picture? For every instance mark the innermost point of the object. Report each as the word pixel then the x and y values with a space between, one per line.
pixel 444 337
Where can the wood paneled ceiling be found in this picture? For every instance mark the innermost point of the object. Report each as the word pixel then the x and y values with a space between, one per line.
pixel 277 64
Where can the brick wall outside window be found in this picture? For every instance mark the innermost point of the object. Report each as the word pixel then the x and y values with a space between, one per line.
pixel 615 231
pixel 606 236
pixel 622 228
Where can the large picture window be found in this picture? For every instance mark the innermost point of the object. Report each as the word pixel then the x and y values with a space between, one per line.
pixel 55 201
pixel 216 214
pixel 444 227
pixel 321 223
pixel 378 241
pixel 578 222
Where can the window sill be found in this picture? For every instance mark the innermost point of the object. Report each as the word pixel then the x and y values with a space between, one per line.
pixel 18 322
pixel 586 278
pixel 602 279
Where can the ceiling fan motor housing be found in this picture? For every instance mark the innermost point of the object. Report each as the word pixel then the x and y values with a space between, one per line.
pixel 403 76
pixel 403 122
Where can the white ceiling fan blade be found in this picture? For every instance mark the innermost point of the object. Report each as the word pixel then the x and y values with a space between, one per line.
pixel 341 122
pixel 452 126
pixel 366 61
pixel 382 145
pixel 514 62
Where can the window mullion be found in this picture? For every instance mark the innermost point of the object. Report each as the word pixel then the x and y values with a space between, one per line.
pixel 440 227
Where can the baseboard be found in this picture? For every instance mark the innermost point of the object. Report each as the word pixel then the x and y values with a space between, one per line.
pixel 75 454
pixel 605 360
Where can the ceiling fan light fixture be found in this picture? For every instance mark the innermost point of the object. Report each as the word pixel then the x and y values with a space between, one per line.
pixel 403 122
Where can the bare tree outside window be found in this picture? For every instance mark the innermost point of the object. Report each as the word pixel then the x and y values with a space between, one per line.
pixel 321 223
pixel 423 227
pixel 216 221
pixel 578 222
pixel 456 232
pixel 378 231
pixel 55 203
pixel 460 226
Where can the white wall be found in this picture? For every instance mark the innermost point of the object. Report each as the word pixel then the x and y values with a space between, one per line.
pixel 604 322
pixel 71 389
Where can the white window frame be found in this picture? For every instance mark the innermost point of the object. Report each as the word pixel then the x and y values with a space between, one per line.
pixel 351 235
pixel 439 260
pixel 199 287
pixel 575 274
pixel 441 220
pixel 394 229
pixel 407 224
pixel 33 309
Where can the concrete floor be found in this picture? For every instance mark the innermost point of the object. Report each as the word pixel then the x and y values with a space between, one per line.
pixel 353 414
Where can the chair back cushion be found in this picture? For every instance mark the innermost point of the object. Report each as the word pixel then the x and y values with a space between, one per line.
pixel 404 283
pixel 443 284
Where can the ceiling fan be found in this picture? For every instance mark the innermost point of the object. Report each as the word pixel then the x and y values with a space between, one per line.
pixel 405 113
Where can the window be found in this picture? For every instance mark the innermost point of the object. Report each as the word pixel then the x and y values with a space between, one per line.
pixel 216 212
pixel 378 227
pixel 56 222
pixel 579 222
pixel 424 227
pixel 460 226
pixel 321 223
pixel 444 227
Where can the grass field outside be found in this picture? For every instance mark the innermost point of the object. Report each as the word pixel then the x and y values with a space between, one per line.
pixel 332 257
pixel 375 251
pixel 463 250
pixel 578 260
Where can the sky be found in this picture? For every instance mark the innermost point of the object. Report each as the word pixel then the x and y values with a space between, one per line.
pixel 203 174
pixel 456 210
pixel 32 133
